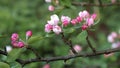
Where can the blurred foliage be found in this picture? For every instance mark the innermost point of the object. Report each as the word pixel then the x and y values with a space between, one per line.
pixel 22 15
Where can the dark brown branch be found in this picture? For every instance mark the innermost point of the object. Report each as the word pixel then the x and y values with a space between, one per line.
pixel 68 42
pixel 90 54
pixel 3 52
pixel 90 45
pixel 90 4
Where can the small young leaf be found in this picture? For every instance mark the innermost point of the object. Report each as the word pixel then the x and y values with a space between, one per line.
pixel 34 39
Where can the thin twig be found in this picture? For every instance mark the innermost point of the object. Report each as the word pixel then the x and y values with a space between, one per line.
pixel 90 45
pixel 34 51
pixel 68 42
pixel 98 5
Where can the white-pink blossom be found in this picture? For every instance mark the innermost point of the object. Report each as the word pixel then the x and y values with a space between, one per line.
pixel 51 8
pixel 65 20
pixel 46 66
pixel 90 21
pixel 111 37
pixel 77 48
pixel 57 29
pixel 54 20
pixel 48 1
pixel 84 14
pixel 48 28
pixel 116 45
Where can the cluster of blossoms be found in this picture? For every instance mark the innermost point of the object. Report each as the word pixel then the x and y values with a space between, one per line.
pixel 18 43
pixel 51 7
pixel 84 17
pixel 113 38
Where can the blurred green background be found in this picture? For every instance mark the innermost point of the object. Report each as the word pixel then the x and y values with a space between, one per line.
pixel 22 15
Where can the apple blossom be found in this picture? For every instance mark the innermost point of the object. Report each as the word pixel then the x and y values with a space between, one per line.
pixel 48 28
pixel 51 8
pixel 77 48
pixel 57 29
pixel 46 66
pixel 65 20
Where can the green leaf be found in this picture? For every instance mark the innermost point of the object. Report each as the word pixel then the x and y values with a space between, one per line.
pixel 4 65
pixel 14 65
pixel 34 39
pixel 14 54
pixel 81 37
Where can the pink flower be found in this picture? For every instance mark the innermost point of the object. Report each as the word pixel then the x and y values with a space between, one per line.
pixel 74 21
pixel 84 27
pixel 113 1
pixel 112 36
pixel 79 19
pixel 48 28
pixel 65 20
pixel 29 33
pixel 116 45
pixel 77 48
pixel 51 8
pixel 57 29
pixel 46 66
pixel 14 43
pixel 21 44
pixel 14 37
pixel 48 1
pixel 84 14
pixel 90 21
pixel 94 16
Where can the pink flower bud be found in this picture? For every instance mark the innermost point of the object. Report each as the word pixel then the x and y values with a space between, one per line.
pixel 90 21
pixel 94 16
pixel 51 8
pixel 29 33
pixel 48 28
pixel 57 29
pixel 65 20
pixel 21 44
pixel 14 43
pixel 46 66
pixel 84 27
pixel 79 19
pixel 14 37
pixel 74 21
pixel 77 48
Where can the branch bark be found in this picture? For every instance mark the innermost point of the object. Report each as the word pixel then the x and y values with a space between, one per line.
pixel 67 57
pixel 98 5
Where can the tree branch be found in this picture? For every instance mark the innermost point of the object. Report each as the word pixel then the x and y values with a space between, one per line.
pixel 51 59
pixel 98 5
